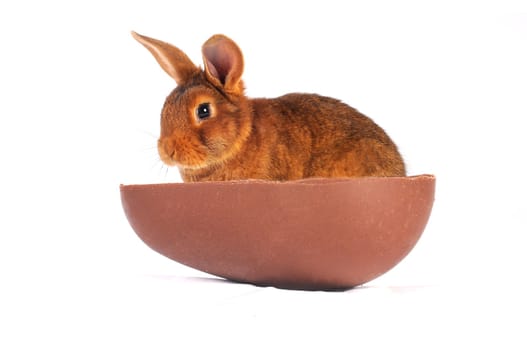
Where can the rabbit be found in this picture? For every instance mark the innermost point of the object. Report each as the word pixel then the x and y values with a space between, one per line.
pixel 212 131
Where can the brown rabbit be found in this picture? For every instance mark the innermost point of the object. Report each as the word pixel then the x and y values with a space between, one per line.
pixel 211 131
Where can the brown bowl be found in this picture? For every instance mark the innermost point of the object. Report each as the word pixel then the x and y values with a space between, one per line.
pixel 308 234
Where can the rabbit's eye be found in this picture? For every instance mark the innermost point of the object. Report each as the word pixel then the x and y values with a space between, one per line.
pixel 203 111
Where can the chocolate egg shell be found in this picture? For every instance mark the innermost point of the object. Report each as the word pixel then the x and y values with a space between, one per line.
pixel 316 234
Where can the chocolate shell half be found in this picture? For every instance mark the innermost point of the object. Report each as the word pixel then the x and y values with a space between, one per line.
pixel 315 234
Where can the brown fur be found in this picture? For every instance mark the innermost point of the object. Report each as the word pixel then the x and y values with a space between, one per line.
pixel 291 137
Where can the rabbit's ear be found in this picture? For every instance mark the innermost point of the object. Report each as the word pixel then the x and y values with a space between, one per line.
pixel 223 61
pixel 170 58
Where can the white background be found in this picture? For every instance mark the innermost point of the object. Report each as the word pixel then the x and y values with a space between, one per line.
pixel 79 114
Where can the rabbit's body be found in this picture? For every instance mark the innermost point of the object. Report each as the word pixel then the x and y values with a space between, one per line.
pixel 302 135
pixel 213 132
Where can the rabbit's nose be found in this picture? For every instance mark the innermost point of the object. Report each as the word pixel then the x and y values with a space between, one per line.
pixel 167 150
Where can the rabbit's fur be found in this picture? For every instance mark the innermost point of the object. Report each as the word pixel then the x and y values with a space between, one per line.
pixel 291 137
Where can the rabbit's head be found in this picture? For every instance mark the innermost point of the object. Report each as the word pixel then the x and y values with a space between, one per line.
pixel 206 118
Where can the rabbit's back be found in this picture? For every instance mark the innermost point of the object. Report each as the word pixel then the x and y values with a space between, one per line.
pixel 308 135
